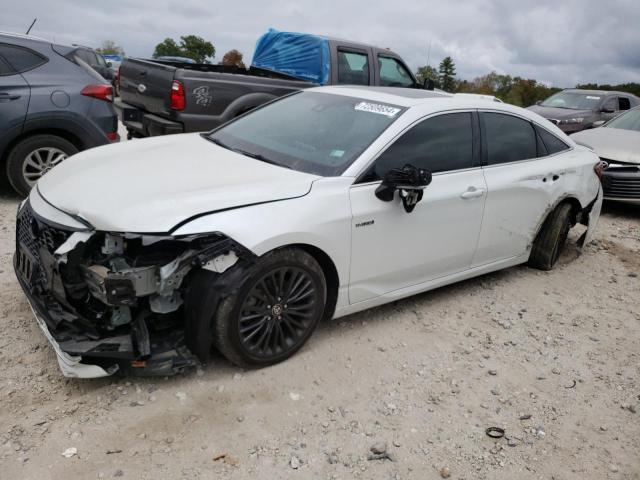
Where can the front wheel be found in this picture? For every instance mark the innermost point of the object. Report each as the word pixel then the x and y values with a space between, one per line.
pixel 273 312
pixel 34 156
pixel 552 238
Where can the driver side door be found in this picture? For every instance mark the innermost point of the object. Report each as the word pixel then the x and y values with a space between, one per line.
pixel 392 249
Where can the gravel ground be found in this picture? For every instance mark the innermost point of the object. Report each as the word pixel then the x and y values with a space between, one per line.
pixel 553 358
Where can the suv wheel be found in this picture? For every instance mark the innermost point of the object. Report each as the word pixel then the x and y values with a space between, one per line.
pixel 34 156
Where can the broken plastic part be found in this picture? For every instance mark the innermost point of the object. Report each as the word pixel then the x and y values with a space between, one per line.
pixel 221 263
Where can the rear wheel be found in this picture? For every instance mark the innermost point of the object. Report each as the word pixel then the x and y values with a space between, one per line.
pixel 34 156
pixel 552 238
pixel 273 312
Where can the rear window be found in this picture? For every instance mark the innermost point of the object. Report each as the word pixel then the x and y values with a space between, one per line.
pixel 20 58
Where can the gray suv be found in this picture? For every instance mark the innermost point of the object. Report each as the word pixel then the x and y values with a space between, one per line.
pixel 52 105
pixel 574 109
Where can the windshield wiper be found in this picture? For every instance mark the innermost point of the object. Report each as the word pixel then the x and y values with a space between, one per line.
pixel 257 156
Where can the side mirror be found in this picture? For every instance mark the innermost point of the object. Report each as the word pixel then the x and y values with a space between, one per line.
pixel 410 181
pixel 428 84
pixel 539 102
pixel 598 123
pixel 109 64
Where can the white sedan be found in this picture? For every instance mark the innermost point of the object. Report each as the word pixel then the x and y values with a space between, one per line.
pixel 140 257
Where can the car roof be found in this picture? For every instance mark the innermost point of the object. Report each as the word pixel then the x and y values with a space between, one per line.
pixel 404 97
pixel 20 36
pixel 603 93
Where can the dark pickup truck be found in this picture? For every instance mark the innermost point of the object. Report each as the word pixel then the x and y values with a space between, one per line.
pixel 158 98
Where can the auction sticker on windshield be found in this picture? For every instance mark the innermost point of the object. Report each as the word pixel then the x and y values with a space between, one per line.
pixel 377 108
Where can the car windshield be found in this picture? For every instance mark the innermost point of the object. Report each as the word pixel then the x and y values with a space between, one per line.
pixel 318 133
pixel 573 101
pixel 626 121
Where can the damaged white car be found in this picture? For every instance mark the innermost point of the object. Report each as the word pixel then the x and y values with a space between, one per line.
pixel 141 257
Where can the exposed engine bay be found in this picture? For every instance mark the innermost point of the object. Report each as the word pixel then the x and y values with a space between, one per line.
pixel 115 299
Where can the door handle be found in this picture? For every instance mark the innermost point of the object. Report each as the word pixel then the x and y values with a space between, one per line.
pixel 472 192
pixel 4 96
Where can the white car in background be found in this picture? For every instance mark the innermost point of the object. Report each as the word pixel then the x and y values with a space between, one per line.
pixel 139 257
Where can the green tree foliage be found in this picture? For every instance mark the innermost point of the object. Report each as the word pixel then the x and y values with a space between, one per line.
pixel 425 72
pixel 515 90
pixel 167 48
pixel 447 74
pixel 109 47
pixel 633 87
pixel 191 46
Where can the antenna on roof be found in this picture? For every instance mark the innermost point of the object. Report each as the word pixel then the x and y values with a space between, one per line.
pixel 32 24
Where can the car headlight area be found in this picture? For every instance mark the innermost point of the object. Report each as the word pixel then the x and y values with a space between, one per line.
pixel 115 300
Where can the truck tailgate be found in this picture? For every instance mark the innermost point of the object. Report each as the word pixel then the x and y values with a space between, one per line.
pixel 146 85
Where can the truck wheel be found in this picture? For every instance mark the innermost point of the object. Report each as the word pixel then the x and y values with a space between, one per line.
pixel 34 156
pixel 551 239
pixel 273 311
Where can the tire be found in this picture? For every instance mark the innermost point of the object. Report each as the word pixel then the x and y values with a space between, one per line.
pixel 262 323
pixel 551 239
pixel 34 156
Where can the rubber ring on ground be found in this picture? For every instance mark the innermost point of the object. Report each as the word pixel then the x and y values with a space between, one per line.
pixel 495 432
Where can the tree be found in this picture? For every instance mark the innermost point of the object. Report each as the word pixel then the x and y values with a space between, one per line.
pixel 197 48
pixel 191 46
pixel 109 47
pixel 167 48
pixel 425 72
pixel 233 57
pixel 447 71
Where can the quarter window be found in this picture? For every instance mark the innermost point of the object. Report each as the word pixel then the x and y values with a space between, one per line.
pixel 508 138
pixel 353 68
pixel 438 144
pixel 625 104
pixel 21 59
pixel 552 143
pixel 393 73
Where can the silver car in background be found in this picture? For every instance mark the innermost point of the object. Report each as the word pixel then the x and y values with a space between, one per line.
pixel 618 144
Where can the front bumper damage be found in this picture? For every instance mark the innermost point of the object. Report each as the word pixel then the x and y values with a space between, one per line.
pixel 111 302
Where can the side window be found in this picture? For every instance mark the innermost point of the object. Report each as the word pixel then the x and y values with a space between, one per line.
pixel 437 144
pixel 5 69
pixel 393 73
pixel 21 59
pixel 611 104
pixel 353 68
pixel 624 103
pixel 508 138
pixel 552 143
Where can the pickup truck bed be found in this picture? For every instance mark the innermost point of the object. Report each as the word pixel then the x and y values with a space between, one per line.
pixel 158 98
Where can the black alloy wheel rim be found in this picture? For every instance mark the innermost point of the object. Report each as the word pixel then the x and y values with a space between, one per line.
pixel 278 312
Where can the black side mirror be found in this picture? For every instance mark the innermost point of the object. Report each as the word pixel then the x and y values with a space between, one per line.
pixel 428 84
pixel 410 181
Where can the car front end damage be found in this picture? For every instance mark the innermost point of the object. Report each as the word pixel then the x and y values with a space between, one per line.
pixel 113 302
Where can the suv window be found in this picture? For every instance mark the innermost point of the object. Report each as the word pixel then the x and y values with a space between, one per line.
pixel 353 68
pixel 624 103
pixel 20 58
pixel 438 144
pixel 393 73
pixel 551 143
pixel 508 138
pixel 611 104
pixel 86 56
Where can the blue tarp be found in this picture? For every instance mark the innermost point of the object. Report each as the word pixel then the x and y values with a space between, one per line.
pixel 298 54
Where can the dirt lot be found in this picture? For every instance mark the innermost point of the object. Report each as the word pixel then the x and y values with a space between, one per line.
pixel 554 358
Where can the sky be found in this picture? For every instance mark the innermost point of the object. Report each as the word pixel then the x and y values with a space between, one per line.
pixel 558 42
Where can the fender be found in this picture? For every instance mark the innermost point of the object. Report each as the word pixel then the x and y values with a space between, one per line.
pixel 245 102
pixel 81 127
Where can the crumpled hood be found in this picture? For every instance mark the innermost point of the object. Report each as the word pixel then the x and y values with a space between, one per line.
pixel 612 143
pixel 151 185
pixel 559 113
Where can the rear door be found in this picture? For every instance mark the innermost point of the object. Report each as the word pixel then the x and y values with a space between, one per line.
pixel 524 176
pixel 392 249
pixel 352 67
pixel 14 90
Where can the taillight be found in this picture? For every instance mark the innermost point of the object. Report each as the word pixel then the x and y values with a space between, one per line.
pixel 177 96
pixel 101 92
pixel 113 136
pixel 599 169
